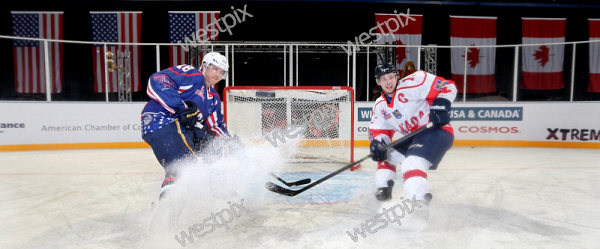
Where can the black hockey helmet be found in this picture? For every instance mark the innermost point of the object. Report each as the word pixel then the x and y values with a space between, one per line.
pixel 383 69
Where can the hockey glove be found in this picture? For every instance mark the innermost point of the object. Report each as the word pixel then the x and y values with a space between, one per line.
pixel 188 116
pixel 377 152
pixel 202 138
pixel 439 112
pixel 202 134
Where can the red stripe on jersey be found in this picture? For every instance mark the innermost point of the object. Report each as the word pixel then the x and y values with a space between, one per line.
pixel 376 132
pixel 182 89
pixel 433 93
pixel 385 165
pixel 408 87
pixel 186 74
pixel 212 123
pixel 170 179
pixel 414 173
pixel 390 105
pixel 448 128
pixel 154 96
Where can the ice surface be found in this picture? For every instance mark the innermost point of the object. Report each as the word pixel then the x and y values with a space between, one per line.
pixel 483 198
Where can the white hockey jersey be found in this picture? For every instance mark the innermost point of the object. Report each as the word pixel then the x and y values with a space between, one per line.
pixel 409 107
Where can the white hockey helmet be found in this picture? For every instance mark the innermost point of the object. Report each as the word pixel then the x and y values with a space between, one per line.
pixel 216 59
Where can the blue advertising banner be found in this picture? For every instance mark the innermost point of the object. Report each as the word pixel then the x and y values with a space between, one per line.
pixel 487 113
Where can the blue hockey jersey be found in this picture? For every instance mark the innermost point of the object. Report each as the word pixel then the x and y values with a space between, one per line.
pixel 170 88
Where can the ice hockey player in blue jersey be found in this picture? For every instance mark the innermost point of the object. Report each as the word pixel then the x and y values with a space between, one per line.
pixel 184 113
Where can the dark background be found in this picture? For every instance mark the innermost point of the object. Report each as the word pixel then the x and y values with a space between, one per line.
pixel 305 21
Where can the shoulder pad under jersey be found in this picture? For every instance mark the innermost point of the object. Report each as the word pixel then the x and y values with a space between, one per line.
pixel 415 79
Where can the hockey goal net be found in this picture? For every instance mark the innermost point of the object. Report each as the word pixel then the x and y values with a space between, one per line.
pixel 306 124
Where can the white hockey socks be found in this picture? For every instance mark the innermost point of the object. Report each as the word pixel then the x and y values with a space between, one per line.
pixel 414 170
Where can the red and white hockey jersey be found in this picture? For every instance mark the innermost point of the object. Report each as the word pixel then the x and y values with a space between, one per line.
pixel 409 107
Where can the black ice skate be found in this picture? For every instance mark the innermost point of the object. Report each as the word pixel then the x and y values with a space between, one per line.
pixel 163 188
pixel 385 193
pixel 428 198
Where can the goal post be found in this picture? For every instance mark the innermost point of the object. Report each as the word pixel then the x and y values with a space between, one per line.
pixel 314 124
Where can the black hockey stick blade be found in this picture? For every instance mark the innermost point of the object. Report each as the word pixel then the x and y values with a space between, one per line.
pixel 290 184
pixel 300 182
pixel 280 190
pixel 284 191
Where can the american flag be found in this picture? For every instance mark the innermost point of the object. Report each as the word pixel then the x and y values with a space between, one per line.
pixel 184 24
pixel 121 27
pixel 29 55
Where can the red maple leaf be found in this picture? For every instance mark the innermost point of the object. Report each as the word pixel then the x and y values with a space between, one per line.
pixel 400 52
pixel 543 55
pixel 473 57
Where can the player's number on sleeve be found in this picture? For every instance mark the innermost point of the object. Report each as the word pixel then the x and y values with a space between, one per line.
pixel 185 68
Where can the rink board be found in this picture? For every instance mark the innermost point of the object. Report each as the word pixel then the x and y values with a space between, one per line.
pixel 540 124
pixel 73 125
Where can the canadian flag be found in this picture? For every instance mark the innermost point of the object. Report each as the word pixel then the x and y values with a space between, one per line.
pixel 543 64
pixel 481 61
pixel 399 29
pixel 594 84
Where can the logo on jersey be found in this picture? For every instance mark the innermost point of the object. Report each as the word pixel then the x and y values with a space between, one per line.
pixel 163 80
pixel 200 93
pixel 439 85
pixel 386 115
pixel 147 119
pixel 397 114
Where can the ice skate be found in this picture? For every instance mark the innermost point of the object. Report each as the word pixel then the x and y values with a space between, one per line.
pixel 421 211
pixel 385 193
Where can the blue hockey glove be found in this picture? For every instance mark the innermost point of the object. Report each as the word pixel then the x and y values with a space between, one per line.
pixel 439 112
pixel 188 116
pixel 377 152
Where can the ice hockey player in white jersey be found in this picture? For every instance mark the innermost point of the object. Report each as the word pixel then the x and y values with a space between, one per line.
pixel 404 106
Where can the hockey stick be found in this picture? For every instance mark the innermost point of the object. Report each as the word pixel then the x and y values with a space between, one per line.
pixel 284 191
pixel 289 184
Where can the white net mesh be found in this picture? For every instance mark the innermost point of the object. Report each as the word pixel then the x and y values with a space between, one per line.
pixel 306 125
